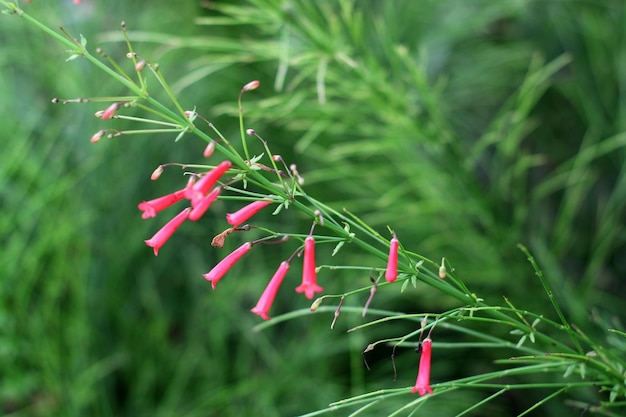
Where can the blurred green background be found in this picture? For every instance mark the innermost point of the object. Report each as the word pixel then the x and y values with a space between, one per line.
pixel 466 125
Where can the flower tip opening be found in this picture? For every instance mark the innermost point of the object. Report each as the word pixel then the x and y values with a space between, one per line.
pixel 260 313
pixel 153 245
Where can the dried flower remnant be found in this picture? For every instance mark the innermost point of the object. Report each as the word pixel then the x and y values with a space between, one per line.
pixel 198 190
pixel 167 231
pixel 392 263
pixel 204 204
pixel 422 384
pixel 219 270
pixel 269 294
pixel 218 241
pixel 309 276
pixel 151 207
pixel 245 213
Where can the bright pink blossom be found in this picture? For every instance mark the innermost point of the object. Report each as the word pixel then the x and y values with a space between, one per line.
pixel 204 204
pixel 152 207
pixel 219 270
pixel 166 231
pixel 392 263
pixel 422 384
pixel 199 189
pixel 267 298
pixel 309 277
pixel 243 214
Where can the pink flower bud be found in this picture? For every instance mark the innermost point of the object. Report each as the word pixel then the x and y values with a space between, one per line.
pixel 156 173
pixel 392 263
pixel 97 136
pixel 252 85
pixel 210 148
pixel 110 111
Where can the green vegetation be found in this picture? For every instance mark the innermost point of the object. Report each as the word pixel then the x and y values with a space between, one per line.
pixel 468 127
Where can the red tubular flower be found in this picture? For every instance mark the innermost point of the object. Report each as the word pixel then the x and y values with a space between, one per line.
pixel 422 384
pixel 267 298
pixel 219 270
pixel 168 230
pixel 198 190
pixel 152 207
pixel 204 204
pixel 243 214
pixel 392 263
pixel 309 277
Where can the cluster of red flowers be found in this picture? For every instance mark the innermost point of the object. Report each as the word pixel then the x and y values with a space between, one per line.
pixel 202 193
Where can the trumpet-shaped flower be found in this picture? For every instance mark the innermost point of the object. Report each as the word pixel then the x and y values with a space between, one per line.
pixel 152 207
pixel 267 298
pixel 243 214
pixel 422 384
pixel 204 204
pixel 219 270
pixel 199 189
pixel 309 276
pixel 392 263
pixel 167 231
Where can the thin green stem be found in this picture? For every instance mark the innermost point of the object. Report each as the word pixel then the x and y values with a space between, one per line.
pixel 550 294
